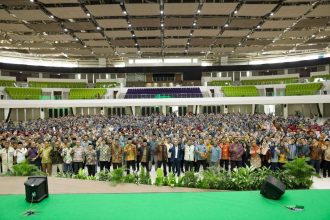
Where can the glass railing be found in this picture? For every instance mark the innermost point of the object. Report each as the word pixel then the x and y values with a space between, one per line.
pixel 166 96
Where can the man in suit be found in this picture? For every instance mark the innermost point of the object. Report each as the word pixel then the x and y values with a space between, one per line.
pixel 130 152
pixel 144 152
pixel 176 156
pixel 162 155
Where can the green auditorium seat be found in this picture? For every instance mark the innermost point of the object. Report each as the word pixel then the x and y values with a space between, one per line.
pixel 106 85
pixel 240 91
pixel 57 84
pixel 87 93
pixel 219 83
pixel 270 81
pixel 24 93
pixel 303 89
pixel 7 83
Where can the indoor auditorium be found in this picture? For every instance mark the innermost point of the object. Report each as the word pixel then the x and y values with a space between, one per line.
pixel 164 109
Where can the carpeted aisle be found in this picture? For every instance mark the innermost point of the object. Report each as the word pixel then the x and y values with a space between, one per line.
pixel 169 206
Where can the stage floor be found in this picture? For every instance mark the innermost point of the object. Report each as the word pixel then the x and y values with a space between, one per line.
pixel 165 206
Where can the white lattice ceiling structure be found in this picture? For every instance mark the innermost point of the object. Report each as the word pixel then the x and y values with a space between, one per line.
pixel 90 29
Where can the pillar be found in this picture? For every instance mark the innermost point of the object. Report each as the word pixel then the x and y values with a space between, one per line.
pixel 225 109
pixel 285 111
pixel 24 114
pixel 134 110
pixel 253 108
pixel 42 113
pixel 321 107
pixel 163 109
pixel 74 110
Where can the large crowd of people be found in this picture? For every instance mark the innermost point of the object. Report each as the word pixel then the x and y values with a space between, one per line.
pixel 173 143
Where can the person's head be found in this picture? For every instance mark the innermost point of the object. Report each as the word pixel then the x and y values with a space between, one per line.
pixel 90 147
pixel 78 143
pixel 65 141
pixel 20 145
pixel 33 144
pixel 129 141
pixel 86 137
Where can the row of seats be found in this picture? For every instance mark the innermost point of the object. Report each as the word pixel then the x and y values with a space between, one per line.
pixel 270 81
pixel 106 85
pixel 163 92
pixel 219 83
pixel 87 93
pixel 24 93
pixel 303 89
pixel 7 83
pixel 323 77
pixel 57 84
pixel 240 91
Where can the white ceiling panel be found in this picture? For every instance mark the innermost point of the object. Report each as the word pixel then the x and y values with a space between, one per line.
pixel 105 10
pixel 85 36
pixel 68 12
pixel 180 8
pixel 175 41
pixel 218 8
pixel 112 23
pixel 255 10
pixel 320 11
pixel 277 24
pixel 143 9
pixel 14 28
pixel 151 33
pixel 31 15
pixel 177 32
pixel 5 16
pixel 292 11
pixel 235 33
pixel 118 34
pixel 206 32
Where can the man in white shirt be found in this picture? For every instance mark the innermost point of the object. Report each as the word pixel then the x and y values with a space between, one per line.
pixel 7 155
pixel 20 153
pixel 189 153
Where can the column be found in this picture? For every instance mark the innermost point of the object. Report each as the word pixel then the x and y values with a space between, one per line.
pixel 163 109
pixel 40 75
pixel 285 111
pixel 134 110
pixel 321 107
pixel 24 114
pixel 225 109
pixel 6 113
pixel 253 108
pixel 42 113
pixel 74 110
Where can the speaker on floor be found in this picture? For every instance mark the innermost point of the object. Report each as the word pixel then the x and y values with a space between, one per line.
pixel 36 188
pixel 272 188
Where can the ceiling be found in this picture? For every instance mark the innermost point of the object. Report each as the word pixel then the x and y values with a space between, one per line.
pixel 91 29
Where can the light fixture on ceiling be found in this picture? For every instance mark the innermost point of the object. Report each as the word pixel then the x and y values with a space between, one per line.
pixel 273 41
pixel 248 36
pixel 44 33
pixel 85 46
pixel 133 35
pixel 56 42
pixel 235 12
pixel 258 26
pixel 10 39
pixel 188 43
pixel 162 25
pixel 226 25
pixel 129 25
pixel 31 0
pixel 51 16
pixel 125 12
pixel 136 44
pixel 194 24
pixel 161 12
pixel 239 44
pixel 88 14
pixel 65 29
pixel 271 14
pixel 313 35
pixel 77 39
pixel 232 51
pixel 190 34
pixel 198 11
pixel 98 28
pixel 71 20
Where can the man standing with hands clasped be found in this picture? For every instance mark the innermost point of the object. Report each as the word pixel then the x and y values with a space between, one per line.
pixel 176 155
pixel 130 153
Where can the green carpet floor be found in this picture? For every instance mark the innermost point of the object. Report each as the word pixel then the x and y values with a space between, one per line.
pixel 169 206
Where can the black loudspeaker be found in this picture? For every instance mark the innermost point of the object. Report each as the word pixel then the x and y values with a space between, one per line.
pixel 36 188
pixel 272 188
pixel 284 105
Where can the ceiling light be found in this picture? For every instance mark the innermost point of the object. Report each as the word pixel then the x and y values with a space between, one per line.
pixel 273 41
pixel 51 16
pixel 162 25
pixel 98 28
pixel 313 35
pixel 190 34
pixel 232 51
pixel 77 39
pixel 161 12
pixel 271 14
pixel 20 72
pixel 239 44
pixel 133 35
pixel 129 25
pixel 258 26
pixel 56 42
pixel 235 12
pixel 136 44
pixel 31 0
pixel 71 20
pixel 124 12
pixel 10 39
pixel 194 24
pixel 88 14
pixel 198 11
pixel 65 29
pixel 185 51
pixel 85 46
pixel 248 36
pixel 188 43
pixel 226 25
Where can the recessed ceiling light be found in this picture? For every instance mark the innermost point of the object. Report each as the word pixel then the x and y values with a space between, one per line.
pixel 161 12
pixel 232 51
pixel 85 46
pixel 198 11
pixel 44 33
pixel 65 29
pixel 77 39
pixel 258 26
pixel 124 12
pixel 136 44
pixel 313 35
pixel 98 28
pixel 190 34
pixel 10 39
pixel 271 14
pixel 188 43
pixel 226 25
pixel 194 23
pixel 248 36
pixel 133 35
pixel 185 51
pixel 31 0
pixel 88 14
pixel 56 42
pixel 162 25
pixel 129 25
pixel 235 12
pixel 51 16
